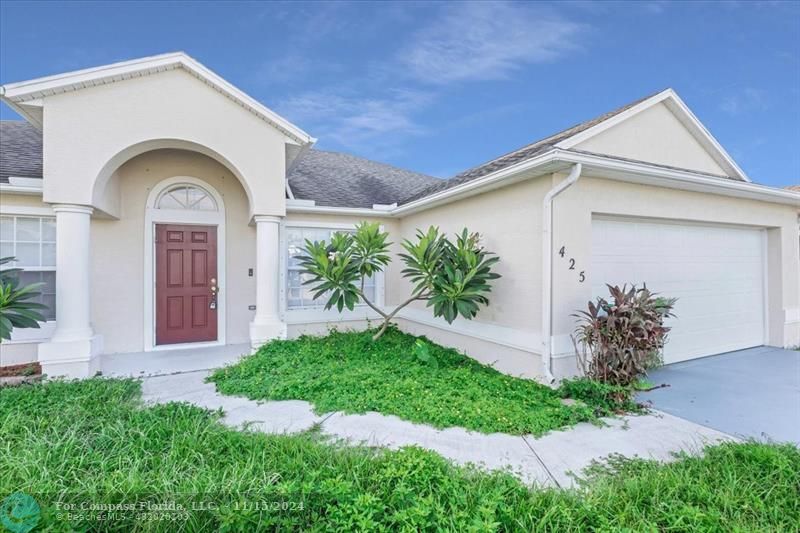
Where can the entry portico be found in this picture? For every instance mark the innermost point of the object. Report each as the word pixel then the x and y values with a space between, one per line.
pixel 99 120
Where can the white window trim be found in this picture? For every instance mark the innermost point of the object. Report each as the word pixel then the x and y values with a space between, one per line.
pixel 46 329
pixel 33 211
pixel 155 216
pixel 170 190
pixel 319 315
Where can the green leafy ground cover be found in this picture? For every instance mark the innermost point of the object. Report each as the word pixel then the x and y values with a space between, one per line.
pixel 348 371
pixel 92 441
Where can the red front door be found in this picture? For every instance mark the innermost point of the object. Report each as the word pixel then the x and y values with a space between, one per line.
pixel 186 283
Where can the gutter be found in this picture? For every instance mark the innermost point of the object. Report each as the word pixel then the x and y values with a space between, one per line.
pixel 323 210
pixel 12 189
pixel 547 269
pixel 687 180
pixel 28 186
pixel 476 186
pixel 607 167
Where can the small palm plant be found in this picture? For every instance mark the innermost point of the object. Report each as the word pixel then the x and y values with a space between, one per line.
pixel 16 308
pixel 452 277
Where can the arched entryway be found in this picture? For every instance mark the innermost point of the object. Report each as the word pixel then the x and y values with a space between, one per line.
pixel 111 272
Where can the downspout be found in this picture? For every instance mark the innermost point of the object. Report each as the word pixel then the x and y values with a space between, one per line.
pixel 547 269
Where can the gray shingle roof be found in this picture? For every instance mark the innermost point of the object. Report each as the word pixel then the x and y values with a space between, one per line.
pixel 343 180
pixel 521 154
pixel 20 150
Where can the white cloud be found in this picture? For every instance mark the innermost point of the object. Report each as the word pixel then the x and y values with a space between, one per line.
pixel 295 68
pixel 284 69
pixel 377 107
pixel 744 100
pixel 356 122
pixel 487 40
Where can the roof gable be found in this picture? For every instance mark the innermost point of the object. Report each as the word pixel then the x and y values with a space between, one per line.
pixel 716 160
pixel 655 136
pixel 519 155
pixel 25 96
pixel 652 121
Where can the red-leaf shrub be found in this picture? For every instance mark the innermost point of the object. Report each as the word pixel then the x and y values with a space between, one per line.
pixel 618 341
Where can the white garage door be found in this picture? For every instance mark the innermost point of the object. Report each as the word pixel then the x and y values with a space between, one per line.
pixel 717 274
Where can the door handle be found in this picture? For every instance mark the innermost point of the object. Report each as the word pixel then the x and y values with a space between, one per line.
pixel 214 290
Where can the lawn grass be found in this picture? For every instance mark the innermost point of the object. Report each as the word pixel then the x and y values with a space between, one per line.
pixel 92 441
pixel 348 371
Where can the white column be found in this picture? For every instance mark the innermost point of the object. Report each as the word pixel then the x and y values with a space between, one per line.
pixel 267 323
pixel 73 348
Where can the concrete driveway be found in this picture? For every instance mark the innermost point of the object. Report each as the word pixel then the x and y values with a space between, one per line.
pixel 752 393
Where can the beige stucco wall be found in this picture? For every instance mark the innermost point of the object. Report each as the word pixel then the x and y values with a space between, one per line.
pixel 21 200
pixel 657 136
pixel 118 249
pixel 90 132
pixel 510 221
pixel 506 333
pixel 17 353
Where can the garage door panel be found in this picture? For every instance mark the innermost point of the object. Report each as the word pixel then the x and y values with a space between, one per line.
pixel 715 272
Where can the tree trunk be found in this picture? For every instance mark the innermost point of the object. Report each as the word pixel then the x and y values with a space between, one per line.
pixel 387 319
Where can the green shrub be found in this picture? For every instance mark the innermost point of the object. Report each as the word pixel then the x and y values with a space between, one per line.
pixel 618 341
pixel 605 398
pixel 399 374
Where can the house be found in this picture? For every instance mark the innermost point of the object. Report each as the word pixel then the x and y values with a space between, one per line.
pixel 164 209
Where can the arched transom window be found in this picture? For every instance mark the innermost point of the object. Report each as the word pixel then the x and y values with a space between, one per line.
pixel 186 197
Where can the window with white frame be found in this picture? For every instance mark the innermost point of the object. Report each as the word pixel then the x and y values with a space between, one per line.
pixel 32 241
pixel 299 296
pixel 185 196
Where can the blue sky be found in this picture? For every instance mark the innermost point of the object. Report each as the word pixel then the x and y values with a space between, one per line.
pixel 440 87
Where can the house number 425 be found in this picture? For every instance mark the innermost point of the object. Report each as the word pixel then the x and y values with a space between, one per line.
pixel 582 274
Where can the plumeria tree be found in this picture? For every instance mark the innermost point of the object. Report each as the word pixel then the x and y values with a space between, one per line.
pixel 453 277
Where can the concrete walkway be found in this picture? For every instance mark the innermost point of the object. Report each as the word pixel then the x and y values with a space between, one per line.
pixel 160 362
pixel 546 461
